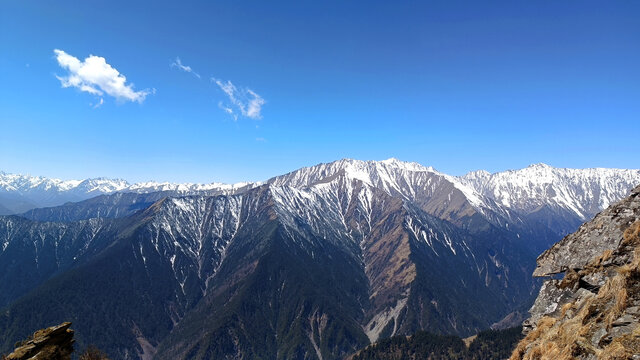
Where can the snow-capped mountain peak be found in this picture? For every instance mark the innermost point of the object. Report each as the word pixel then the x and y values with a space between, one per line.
pixel 539 166
pixel 413 166
pixel 410 181
pixel 370 172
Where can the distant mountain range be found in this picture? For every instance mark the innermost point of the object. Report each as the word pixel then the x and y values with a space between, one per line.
pixel 313 264
pixel 535 190
pixel 20 193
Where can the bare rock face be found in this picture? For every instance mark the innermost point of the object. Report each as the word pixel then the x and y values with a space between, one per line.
pixel 593 238
pixel 54 343
pixel 594 311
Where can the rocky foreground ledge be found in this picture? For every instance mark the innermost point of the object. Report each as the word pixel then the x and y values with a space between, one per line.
pixel 54 343
pixel 593 312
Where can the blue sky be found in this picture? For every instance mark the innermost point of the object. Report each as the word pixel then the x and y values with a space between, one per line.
pixel 458 85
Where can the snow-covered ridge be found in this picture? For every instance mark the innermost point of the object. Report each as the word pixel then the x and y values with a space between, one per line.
pixel 27 183
pixel 580 191
pixel 584 192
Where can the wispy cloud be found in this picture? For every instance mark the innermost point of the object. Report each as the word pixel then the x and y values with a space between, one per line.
pixel 178 64
pixel 228 110
pixel 98 104
pixel 95 76
pixel 243 102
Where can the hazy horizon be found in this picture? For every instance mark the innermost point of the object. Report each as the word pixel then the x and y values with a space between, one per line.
pixel 288 171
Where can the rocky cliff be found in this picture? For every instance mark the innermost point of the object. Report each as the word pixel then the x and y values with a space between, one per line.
pixel 54 343
pixel 593 312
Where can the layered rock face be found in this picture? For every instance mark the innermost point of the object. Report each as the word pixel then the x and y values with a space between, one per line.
pixel 54 343
pixel 594 311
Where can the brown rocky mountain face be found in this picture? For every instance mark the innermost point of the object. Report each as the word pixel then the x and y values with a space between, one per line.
pixel 378 266
pixel 594 311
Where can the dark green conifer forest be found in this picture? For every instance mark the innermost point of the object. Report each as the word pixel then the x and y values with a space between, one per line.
pixel 488 345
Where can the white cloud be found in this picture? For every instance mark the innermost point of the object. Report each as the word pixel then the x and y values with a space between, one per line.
pixel 184 68
pixel 95 76
pixel 98 104
pixel 246 101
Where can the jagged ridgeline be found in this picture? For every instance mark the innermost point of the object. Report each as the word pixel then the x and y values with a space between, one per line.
pixel 593 312
pixel 314 264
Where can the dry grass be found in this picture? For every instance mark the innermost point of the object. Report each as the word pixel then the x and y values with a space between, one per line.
pixel 631 236
pixel 623 347
pixel 606 255
pixel 566 307
pixel 571 277
pixel 615 351
pixel 629 342
pixel 542 327
pixel 614 292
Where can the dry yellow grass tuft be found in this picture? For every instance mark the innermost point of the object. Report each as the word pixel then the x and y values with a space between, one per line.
pixel 566 307
pixel 631 235
pixel 571 277
pixel 614 292
pixel 543 325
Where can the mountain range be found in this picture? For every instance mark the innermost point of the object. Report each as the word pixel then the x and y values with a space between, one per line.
pixel 313 264
pixel 535 190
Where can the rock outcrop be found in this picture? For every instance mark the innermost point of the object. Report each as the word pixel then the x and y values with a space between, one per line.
pixel 54 343
pixel 593 312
